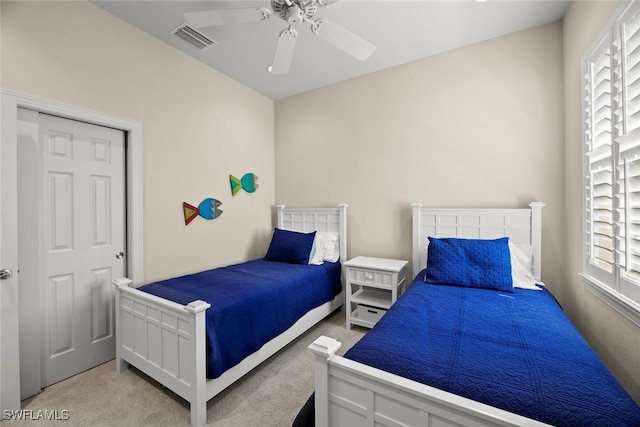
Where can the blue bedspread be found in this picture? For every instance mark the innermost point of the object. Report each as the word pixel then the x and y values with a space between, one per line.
pixel 516 351
pixel 251 303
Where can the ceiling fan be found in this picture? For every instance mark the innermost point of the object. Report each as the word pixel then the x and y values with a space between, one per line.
pixel 294 12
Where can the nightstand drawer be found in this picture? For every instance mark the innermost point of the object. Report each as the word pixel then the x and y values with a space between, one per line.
pixel 363 276
pixel 368 314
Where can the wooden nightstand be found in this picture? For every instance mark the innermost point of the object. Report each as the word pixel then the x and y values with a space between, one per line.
pixel 373 285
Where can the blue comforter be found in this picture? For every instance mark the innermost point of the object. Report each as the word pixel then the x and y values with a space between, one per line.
pixel 516 351
pixel 251 303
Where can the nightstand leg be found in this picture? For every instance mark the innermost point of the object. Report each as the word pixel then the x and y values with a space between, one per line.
pixel 348 305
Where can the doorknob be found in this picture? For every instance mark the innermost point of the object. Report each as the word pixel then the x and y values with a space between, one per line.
pixel 5 274
pixel 119 255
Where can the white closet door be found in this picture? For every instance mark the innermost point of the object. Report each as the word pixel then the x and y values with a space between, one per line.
pixel 84 241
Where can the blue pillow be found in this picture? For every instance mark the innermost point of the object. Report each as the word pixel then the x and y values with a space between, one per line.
pixel 475 263
pixel 290 246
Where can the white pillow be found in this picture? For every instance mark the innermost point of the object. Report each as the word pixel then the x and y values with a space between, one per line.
pixel 521 266
pixel 326 247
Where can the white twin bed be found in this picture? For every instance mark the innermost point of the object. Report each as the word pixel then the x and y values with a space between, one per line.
pixel 352 394
pixel 458 352
pixel 166 340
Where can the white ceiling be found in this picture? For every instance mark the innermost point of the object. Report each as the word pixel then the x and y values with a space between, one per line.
pixel 402 31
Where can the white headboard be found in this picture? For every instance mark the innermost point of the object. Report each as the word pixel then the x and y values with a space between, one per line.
pixel 520 225
pixel 320 219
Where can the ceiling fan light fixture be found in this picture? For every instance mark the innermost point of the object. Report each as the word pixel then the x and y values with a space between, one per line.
pixel 295 15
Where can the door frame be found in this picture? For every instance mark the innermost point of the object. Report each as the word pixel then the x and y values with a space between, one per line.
pixel 10 101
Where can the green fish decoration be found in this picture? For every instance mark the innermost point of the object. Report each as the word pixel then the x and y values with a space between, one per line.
pixel 248 183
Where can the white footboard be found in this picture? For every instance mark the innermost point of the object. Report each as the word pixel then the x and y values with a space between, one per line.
pixel 159 337
pixel 351 394
pixel 166 341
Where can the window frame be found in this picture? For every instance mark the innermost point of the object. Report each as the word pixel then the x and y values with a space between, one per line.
pixel 610 287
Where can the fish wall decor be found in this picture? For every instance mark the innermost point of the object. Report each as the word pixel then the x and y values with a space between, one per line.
pixel 207 209
pixel 248 182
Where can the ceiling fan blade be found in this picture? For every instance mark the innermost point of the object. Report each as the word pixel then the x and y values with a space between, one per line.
pixel 343 39
pixel 211 18
pixel 284 51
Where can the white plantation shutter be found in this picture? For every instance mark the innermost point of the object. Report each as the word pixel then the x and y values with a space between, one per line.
pixel 629 84
pixel 629 223
pixel 602 220
pixel 598 147
pixel 629 234
pixel 612 157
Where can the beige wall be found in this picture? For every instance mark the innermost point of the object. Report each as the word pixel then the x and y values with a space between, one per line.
pixel 615 338
pixel 199 126
pixel 480 126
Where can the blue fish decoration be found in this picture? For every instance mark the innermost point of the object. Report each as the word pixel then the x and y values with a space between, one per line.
pixel 248 182
pixel 207 209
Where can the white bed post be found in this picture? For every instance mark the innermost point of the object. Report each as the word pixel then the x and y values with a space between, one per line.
pixel 343 231
pixel 536 238
pixel 199 387
pixel 124 282
pixel 324 348
pixel 280 209
pixel 416 242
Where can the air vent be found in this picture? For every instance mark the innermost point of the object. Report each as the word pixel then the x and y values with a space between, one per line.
pixel 193 37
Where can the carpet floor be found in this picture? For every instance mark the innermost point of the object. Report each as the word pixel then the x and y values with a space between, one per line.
pixel 269 396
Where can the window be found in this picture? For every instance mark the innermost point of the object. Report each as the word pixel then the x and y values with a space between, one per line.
pixel 611 162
